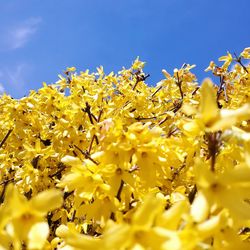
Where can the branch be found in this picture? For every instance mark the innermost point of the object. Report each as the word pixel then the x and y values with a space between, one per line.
pixel 140 78
pixel 238 60
pixel 86 154
pixel 5 137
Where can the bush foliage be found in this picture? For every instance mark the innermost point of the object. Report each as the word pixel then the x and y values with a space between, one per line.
pixel 99 161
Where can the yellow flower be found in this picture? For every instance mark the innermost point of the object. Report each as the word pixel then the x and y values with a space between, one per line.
pixel 70 69
pixel 227 60
pixel 245 53
pixel 140 232
pixel 218 189
pixel 23 220
pixel 210 118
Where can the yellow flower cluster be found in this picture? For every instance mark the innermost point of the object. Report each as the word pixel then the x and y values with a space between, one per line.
pixel 99 161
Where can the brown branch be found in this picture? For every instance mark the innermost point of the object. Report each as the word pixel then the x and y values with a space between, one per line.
pixel 195 91
pixel 172 131
pixel 6 181
pixel 5 137
pixel 86 154
pixel 163 120
pixel 177 106
pixel 222 88
pixel 118 196
pixel 94 137
pixel 140 78
pixel 238 60
pixel 67 194
pixel 59 171
pixel 144 118
pixel 99 116
pixel 177 171
pixel 192 194
pixel 179 83
pixel 213 147
pixel 156 91
pixel 87 110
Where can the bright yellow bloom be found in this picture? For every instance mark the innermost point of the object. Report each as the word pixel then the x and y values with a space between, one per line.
pixel 24 221
pixel 218 189
pixel 210 118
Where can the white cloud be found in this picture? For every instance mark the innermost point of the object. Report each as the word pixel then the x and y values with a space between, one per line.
pixel 20 34
pixel 16 75
pixel 15 78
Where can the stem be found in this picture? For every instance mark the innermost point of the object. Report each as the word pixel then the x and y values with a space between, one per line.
pixel 87 110
pixel 86 154
pixel 179 82
pixel 213 147
pixel 118 196
pixel 140 78
pixel 192 194
pixel 156 91
pixel 196 89
pixel 5 137
pixel 238 60
pixel 59 171
pixel 94 137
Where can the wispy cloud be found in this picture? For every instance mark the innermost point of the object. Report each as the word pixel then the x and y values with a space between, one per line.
pixel 19 34
pixel 14 78
pixel 16 74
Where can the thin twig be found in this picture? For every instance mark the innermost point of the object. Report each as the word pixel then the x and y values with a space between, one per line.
pixel 213 147
pixel 238 60
pixel 5 137
pixel 179 82
pixel 86 154
pixel 118 196
pixel 195 91
pixel 192 194
pixel 163 120
pixel 100 115
pixel 94 137
pixel 156 91
pixel 140 78
pixel 87 110
pixel 6 181
pixel 59 171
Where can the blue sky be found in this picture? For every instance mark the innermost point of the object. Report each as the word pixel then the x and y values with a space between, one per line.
pixel 39 39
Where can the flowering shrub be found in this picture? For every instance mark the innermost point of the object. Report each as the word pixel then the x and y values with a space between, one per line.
pixel 100 161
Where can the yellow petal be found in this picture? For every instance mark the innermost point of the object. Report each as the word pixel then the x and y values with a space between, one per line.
pixel 71 161
pixel 200 207
pixel 38 235
pixel 208 104
pixel 237 206
pixel 77 240
pixel 239 176
pixel 170 219
pixel 227 118
pixel 118 236
pixel 166 74
pixel 213 225
pixel 47 200
pixel 146 214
